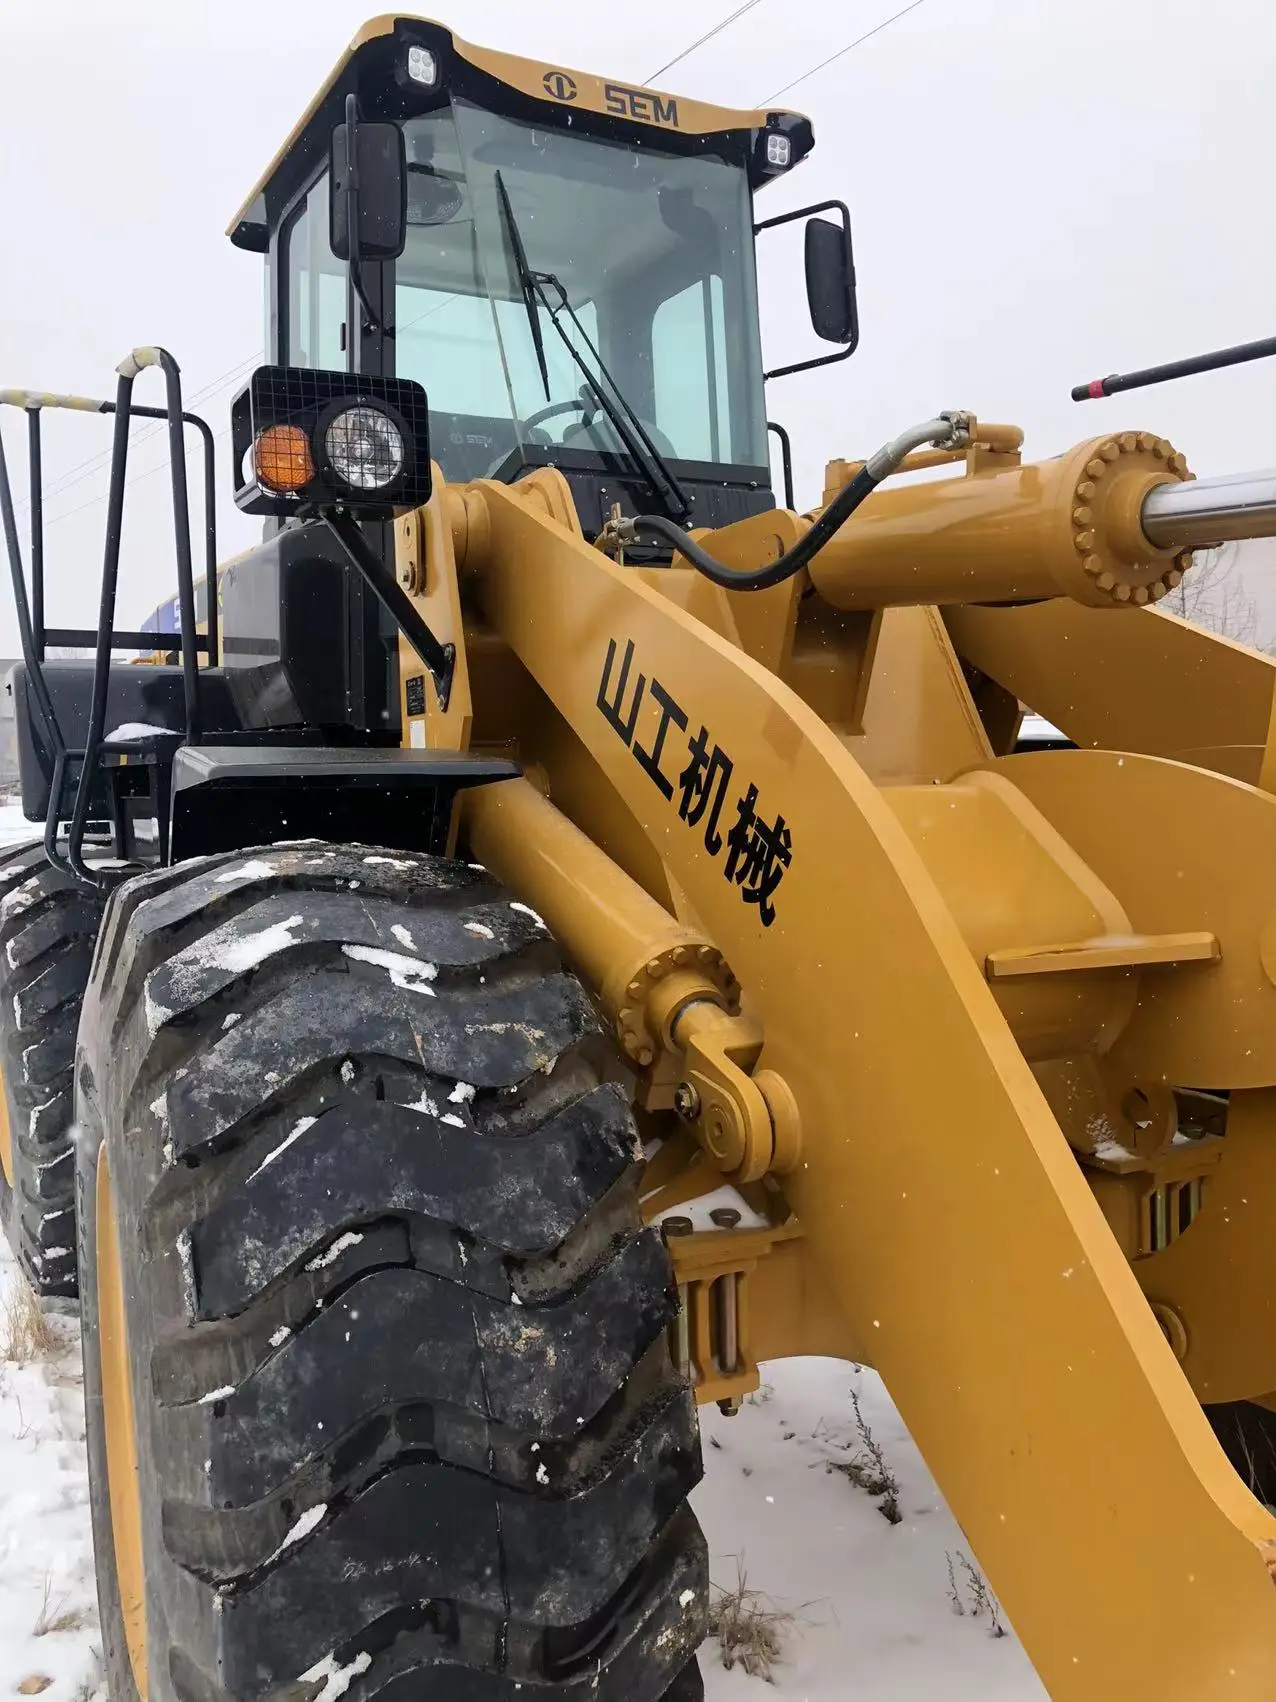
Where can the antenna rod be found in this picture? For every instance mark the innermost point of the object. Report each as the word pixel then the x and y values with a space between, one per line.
pixel 1174 369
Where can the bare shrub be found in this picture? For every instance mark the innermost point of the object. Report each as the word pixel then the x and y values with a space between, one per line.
pixel 750 1628
pixel 24 1330
pixel 868 1468
pixel 970 1592
pixel 55 1615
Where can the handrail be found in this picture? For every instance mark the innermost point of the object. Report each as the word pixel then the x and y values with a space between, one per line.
pixel 34 635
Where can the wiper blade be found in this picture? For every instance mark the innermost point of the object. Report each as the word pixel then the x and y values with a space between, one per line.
pixel 620 412
pixel 526 282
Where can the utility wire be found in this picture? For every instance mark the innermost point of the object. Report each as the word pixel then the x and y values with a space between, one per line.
pixel 81 470
pixel 700 41
pixel 842 51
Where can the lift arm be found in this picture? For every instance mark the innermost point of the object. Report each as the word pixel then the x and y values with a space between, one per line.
pixel 937 1195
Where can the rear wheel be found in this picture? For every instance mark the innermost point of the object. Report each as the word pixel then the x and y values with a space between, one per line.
pixel 376 1370
pixel 48 927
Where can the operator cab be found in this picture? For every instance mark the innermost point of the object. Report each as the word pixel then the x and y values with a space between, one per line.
pixel 576 285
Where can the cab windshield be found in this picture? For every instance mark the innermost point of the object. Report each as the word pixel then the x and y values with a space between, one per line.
pixel 654 253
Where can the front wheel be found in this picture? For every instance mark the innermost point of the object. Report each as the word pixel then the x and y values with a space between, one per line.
pixel 379 1396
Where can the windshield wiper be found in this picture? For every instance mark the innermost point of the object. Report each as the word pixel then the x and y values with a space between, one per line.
pixel 630 430
pixel 525 281
pixel 628 425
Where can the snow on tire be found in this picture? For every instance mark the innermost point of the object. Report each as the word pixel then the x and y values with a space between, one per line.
pixel 405 1412
pixel 47 931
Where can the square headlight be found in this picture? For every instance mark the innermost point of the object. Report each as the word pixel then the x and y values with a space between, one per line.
pixel 303 440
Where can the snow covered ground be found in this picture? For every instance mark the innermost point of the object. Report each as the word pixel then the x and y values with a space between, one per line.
pixel 14 826
pixel 872 1617
pixel 871 1602
pixel 48 1609
pixel 865 1606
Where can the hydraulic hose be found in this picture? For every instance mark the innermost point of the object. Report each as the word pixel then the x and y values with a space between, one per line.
pixel 946 431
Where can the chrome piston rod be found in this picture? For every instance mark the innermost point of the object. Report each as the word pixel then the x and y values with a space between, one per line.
pixel 1200 512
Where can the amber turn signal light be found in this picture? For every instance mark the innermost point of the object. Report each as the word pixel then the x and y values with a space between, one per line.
pixel 282 458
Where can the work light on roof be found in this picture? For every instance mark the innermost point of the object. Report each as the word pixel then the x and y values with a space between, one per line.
pixel 423 67
pixel 779 150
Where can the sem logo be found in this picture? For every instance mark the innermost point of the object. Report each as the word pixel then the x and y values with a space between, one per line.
pixel 640 104
pixel 558 85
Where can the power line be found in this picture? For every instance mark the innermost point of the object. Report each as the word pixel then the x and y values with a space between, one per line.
pixel 842 51
pixel 700 41
pixel 81 470
pixel 132 479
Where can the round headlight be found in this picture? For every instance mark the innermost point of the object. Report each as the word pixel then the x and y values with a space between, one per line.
pixel 364 448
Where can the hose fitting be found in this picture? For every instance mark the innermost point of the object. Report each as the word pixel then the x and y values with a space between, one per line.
pixel 949 430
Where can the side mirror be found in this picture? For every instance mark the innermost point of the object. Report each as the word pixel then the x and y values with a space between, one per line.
pixel 367 191
pixel 830 282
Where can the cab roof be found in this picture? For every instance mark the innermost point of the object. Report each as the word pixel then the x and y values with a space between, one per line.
pixel 546 91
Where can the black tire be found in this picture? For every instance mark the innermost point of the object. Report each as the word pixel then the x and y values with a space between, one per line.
pixel 407 1424
pixel 47 932
pixel 1247 1433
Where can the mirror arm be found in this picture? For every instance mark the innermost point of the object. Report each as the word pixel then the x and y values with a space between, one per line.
pixel 849 349
pixel 371 323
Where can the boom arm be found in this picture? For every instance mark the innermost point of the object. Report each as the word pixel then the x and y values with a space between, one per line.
pixel 1035 1380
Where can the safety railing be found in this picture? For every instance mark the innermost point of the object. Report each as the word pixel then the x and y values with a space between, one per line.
pixel 33 633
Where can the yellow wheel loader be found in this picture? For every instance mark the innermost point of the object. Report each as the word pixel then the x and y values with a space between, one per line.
pixel 544 829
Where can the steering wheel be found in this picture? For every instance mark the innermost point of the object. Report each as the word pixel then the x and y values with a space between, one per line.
pixel 529 430
pixel 573 405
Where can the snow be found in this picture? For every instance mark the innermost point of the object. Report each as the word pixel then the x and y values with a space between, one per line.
pixel 527 910
pixel 872 1614
pixel 133 732
pixel 297 1130
pixel 350 1239
pixel 406 972
pixel 402 935
pixel 251 871
pixel 228 950
pixel 46 1564
pixel 425 1105
pixel 1110 1148
pixel 870 1600
pixel 14 826
pixel 305 1524
pixel 239 956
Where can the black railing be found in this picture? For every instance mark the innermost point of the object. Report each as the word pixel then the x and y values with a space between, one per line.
pixel 34 635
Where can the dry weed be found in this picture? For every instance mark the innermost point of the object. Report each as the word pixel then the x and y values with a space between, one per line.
pixel 93 1684
pixel 868 1469
pixel 24 1330
pixel 55 1615
pixel 982 1604
pixel 749 1627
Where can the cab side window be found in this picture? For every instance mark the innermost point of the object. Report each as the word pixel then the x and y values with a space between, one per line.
pixel 315 286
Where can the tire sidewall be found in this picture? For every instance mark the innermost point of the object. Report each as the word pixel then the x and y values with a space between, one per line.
pixel 119 1671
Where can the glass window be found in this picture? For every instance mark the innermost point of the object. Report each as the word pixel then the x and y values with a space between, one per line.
pixel 653 253
pixel 315 307
pixel 690 369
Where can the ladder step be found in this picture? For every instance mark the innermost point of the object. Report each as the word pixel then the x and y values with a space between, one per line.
pixel 1105 951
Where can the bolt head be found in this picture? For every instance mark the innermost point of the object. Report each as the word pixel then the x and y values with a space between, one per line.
pixel 686 1101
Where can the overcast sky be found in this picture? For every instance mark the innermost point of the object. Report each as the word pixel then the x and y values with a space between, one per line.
pixel 1042 191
